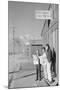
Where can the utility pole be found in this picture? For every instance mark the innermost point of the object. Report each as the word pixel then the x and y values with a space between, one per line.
pixel 13 40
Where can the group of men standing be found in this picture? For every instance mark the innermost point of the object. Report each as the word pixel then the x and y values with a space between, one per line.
pixel 47 60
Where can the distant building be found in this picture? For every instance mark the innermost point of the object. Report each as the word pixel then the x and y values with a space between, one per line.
pixel 33 46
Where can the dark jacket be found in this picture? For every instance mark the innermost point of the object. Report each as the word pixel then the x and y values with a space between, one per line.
pixel 54 56
pixel 49 55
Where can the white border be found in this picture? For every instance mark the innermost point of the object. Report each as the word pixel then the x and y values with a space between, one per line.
pixel 4 42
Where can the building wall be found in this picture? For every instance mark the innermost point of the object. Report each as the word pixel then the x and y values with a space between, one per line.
pixel 50 34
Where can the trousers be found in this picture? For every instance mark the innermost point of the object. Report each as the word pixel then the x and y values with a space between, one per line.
pixel 49 76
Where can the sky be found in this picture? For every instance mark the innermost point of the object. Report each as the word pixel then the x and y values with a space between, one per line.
pixel 21 15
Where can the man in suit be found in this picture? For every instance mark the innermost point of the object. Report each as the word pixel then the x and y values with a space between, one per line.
pixel 54 62
pixel 49 57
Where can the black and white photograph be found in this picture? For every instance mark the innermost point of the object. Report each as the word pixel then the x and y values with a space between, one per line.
pixel 33 44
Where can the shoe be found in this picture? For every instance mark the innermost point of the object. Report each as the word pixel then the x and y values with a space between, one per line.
pixel 36 79
pixel 51 81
